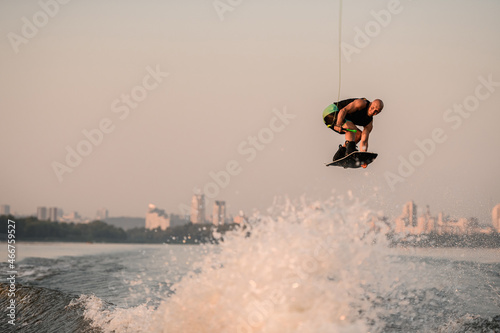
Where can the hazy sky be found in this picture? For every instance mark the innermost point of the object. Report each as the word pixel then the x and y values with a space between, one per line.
pixel 183 89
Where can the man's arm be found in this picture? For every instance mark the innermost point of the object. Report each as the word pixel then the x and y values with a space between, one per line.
pixel 354 106
pixel 364 136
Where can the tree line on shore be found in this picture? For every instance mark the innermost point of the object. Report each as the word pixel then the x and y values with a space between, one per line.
pixel 32 229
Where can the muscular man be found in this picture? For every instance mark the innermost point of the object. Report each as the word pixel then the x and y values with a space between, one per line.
pixel 343 116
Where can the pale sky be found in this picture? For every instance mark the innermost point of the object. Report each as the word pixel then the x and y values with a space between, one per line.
pixel 227 72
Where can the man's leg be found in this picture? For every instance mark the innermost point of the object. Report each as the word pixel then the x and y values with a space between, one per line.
pixel 351 137
pixel 358 134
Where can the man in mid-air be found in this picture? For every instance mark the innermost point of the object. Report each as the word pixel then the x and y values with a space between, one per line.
pixel 343 116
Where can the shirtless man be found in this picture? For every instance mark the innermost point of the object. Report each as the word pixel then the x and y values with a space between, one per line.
pixel 343 116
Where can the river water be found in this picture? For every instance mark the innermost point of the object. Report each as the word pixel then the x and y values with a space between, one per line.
pixel 319 268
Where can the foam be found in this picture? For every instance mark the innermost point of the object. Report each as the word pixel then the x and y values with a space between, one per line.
pixel 111 319
pixel 306 267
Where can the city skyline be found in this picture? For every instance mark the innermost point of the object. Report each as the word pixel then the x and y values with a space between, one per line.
pixel 158 218
pixel 408 221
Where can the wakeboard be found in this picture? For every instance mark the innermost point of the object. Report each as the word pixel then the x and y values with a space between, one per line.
pixel 355 160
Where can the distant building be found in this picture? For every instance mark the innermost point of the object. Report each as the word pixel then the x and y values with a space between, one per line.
pixel 219 212
pixel 72 217
pixel 41 213
pixel 409 223
pixel 495 218
pixel 156 218
pixel 240 218
pixel 446 225
pixel 101 214
pixel 53 214
pixel 429 221
pixel 408 219
pixel 4 210
pixel 198 209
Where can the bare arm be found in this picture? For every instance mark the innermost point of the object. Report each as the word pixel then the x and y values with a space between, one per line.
pixel 354 106
pixel 365 135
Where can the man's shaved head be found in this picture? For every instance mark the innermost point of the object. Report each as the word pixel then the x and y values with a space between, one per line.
pixel 380 103
pixel 375 107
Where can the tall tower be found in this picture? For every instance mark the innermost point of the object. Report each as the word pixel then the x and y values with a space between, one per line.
pixel 219 212
pixel 53 214
pixel 4 210
pixel 407 222
pixel 410 214
pixel 495 218
pixel 101 214
pixel 41 213
pixel 198 208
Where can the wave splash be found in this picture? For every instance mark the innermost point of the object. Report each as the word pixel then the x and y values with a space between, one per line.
pixel 303 267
